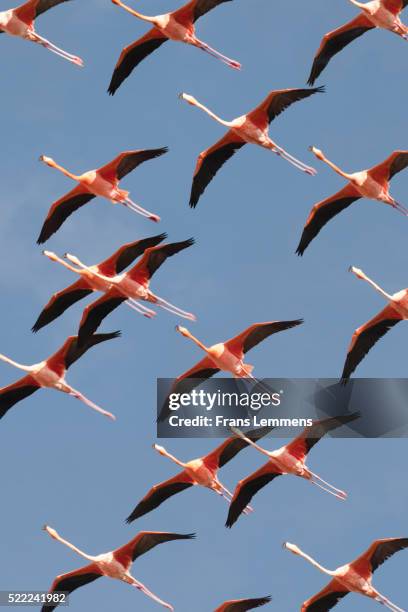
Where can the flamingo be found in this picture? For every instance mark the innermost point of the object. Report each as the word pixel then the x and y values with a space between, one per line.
pixel 252 128
pixel 373 184
pixel 289 459
pixel 115 564
pixel 89 283
pixel 19 22
pixel 130 287
pixel 365 337
pixel 226 356
pixel 242 605
pixel 50 373
pixel 354 577
pixel 202 471
pixel 375 14
pixel 177 25
pixel 103 182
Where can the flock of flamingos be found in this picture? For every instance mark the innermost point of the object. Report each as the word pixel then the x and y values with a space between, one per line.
pixel 132 287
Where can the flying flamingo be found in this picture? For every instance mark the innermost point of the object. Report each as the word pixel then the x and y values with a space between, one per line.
pixel 103 182
pixel 89 283
pixel 202 471
pixel 373 184
pixel 354 577
pixel 242 605
pixel 289 459
pixel 177 25
pixel 19 22
pixel 368 334
pixel 375 14
pixel 226 356
pixel 130 287
pixel 115 564
pixel 252 128
pixel 50 373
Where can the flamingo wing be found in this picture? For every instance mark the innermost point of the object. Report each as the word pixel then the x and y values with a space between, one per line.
pixel 188 381
pixel 46 5
pixel 127 161
pixel 9 396
pixel 60 302
pixel 160 493
pixel 278 101
pixel 326 599
pixel 366 336
pixel 394 6
pixel 145 541
pixel 323 212
pixel 62 209
pixel 247 488
pixel 95 313
pixel 71 581
pixel 210 161
pixel 127 253
pixel 379 552
pixel 396 162
pixel 154 257
pixel 76 350
pixel 132 55
pixel 242 605
pixel 333 42
pixel 248 339
pixel 300 446
pixel 232 446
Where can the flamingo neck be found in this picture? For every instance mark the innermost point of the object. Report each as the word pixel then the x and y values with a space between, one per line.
pixel 135 13
pixel 64 171
pixel 75 549
pixel 165 453
pixel 15 364
pixel 336 168
pixel 315 563
pixel 213 115
pixel 377 288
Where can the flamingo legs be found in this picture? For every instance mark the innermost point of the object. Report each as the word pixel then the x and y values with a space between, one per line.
pixel 360 274
pixel 170 307
pixel 36 38
pixel 326 486
pixel 387 603
pixel 138 209
pixel 65 388
pixel 272 146
pixel 141 587
pixel 214 53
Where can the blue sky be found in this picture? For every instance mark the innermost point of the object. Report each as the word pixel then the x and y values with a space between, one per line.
pixel 68 467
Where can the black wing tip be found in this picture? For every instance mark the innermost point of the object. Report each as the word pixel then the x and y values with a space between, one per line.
pixel 299 251
pixel 296 322
pixel 161 151
pixel 189 242
pixel 229 523
pixel 36 327
pixel 112 88
pixel 130 519
pixel 187 536
pixel 320 89
pixel 41 239
pixel 193 203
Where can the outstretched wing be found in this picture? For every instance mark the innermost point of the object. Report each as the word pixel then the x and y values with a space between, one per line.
pixel 333 42
pixel 232 446
pixel 195 9
pixel 247 488
pixel 127 253
pixel 248 339
pixel 300 446
pixel 160 493
pixel 71 581
pixel 187 382
pixel 62 209
pixel 145 541
pixel 154 257
pixel 210 161
pixel 326 599
pixel 132 55
pixel 276 102
pixel 60 302
pixel 127 161
pixel 72 350
pixel 395 163
pixel 379 552
pixel 95 313
pixel 45 5
pixel 9 396
pixel 365 337
pixel 242 605
pixel 323 212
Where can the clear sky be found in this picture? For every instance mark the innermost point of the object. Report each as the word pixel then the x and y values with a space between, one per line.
pixel 64 465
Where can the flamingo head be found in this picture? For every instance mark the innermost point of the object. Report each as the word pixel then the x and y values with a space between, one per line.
pixel 71 258
pixel 47 160
pixel 292 547
pixel 317 152
pixel 189 99
pixel 50 255
pixel 160 449
pixel 183 331
pixel 359 273
pixel 50 531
